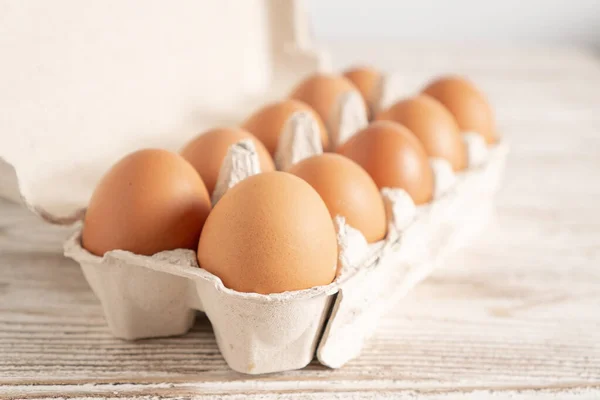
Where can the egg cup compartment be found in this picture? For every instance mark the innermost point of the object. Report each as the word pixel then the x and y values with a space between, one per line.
pixel 262 334
pixel 156 296
pixel 141 296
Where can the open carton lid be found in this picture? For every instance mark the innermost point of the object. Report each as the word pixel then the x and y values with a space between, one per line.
pixel 84 84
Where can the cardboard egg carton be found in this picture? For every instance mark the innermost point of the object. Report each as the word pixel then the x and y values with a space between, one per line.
pixel 84 116
pixel 153 296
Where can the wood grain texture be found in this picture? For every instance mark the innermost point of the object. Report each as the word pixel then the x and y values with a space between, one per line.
pixel 517 315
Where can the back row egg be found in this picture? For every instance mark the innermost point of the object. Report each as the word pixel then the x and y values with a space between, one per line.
pixel 208 150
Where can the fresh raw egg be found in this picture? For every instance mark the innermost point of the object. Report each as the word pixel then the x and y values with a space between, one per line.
pixel 468 105
pixel 208 150
pixel 267 123
pixel 270 233
pixel 368 81
pixel 321 92
pixel 337 101
pixel 434 126
pixel 150 201
pixel 347 190
pixel 393 156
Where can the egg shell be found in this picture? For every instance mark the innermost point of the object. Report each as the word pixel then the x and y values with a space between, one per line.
pixel 337 101
pixel 208 150
pixel 433 125
pixel 347 190
pixel 468 105
pixel 368 81
pixel 321 91
pixel 267 123
pixel 150 201
pixel 270 233
pixel 393 157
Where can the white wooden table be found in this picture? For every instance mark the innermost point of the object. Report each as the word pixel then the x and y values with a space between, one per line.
pixel 517 315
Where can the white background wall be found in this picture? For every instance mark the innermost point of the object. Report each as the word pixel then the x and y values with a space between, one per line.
pixel 499 21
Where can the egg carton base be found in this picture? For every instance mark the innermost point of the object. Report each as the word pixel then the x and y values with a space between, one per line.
pixel 156 296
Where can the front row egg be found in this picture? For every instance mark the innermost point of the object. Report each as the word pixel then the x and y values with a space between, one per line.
pixel 270 233
pixel 207 151
pixel 347 190
pixel 268 122
pixel 393 157
pixel 150 201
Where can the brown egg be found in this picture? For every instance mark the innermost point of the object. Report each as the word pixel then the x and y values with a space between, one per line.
pixel 208 150
pixel 394 158
pixel 321 92
pixel 268 122
pixel 270 233
pixel 347 190
pixel 468 105
pixel 434 126
pixel 150 201
pixel 367 80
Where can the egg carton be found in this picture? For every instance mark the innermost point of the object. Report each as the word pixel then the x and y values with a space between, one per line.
pixel 157 296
